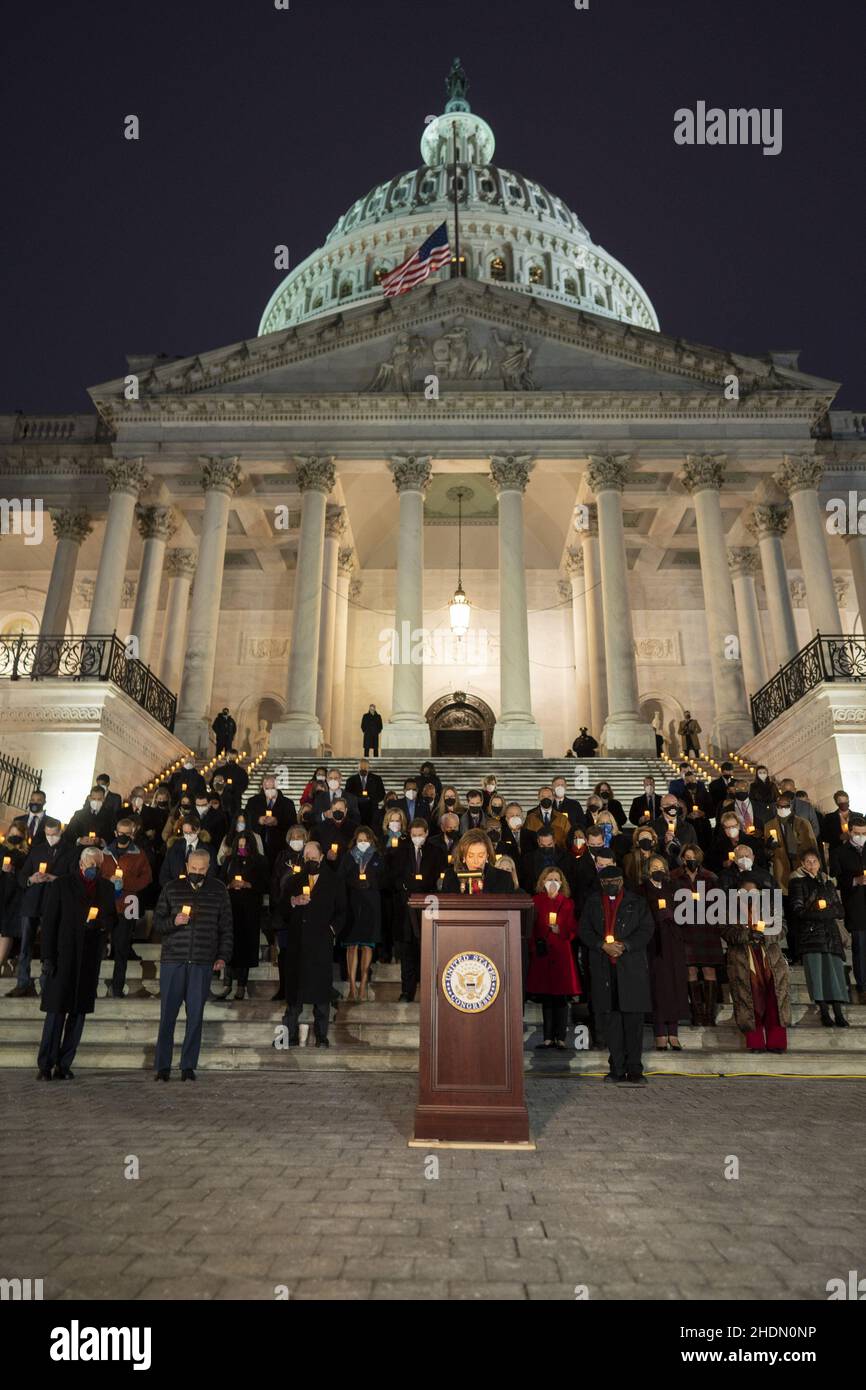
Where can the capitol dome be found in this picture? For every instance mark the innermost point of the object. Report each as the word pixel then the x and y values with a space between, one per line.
pixel 513 232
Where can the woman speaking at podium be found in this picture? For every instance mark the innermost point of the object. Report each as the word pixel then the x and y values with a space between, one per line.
pixel 474 868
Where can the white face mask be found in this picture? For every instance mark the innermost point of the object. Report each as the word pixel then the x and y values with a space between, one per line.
pixel 783 812
pixel 191 839
pixel 579 844
pixel 363 844
pixel 858 840
pixel 137 802
pixel 189 766
pixel 394 827
pixel 202 808
pixel 732 831
pixel 418 840
pixel 270 793
pixel 410 793
pixel 241 825
pixel 333 783
pixel 296 844
pixel 559 793
pixel 95 806
pixel 745 865
pixel 552 886
pixel 52 840
pixel 762 776
pixel 515 822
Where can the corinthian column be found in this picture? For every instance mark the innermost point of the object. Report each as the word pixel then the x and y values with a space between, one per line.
pixel 70 529
pixel 857 559
pixel 335 526
pixel 180 568
pixel 126 478
pixel 300 731
pixel 574 565
pixel 703 476
pixel 744 563
pixel 220 480
pixel 799 476
pixel 156 526
pixel 516 730
pixel 345 565
pixel 594 622
pixel 624 730
pixel 407 730
pixel 768 524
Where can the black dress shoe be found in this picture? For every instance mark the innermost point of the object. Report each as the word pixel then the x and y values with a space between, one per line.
pixel 279 997
pixel 61 1075
pixel 187 1074
pixel 633 1078
pixel 22 992
pixel 613 1079
pixel 43 1076
pixel 323 1042
pixel 160 1076
pixel 406 999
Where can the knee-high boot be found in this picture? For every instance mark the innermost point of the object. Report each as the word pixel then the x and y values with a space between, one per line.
pixel 696 1002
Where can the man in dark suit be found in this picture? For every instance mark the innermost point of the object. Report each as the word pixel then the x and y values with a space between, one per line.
pixel 179 853
pixel 224 728
pixel 417 866
pixel 186 780
pixel 616 926
pixel 48 858
pixel 567 805
pixel 93 824
pixel 371 728
pixel 237 779
pixel 835 825
pixel 646 808
pixel 323 801
pixel 270 814
pixel 33 823
pixel 112 800
pixel 849 861
pixel 720 788
pixel 369 791
pixel 448 837
pixel 546 855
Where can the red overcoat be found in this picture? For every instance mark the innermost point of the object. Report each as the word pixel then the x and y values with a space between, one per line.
pixel 554 972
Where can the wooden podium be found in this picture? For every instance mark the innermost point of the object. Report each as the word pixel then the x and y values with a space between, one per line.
pixel 470 1076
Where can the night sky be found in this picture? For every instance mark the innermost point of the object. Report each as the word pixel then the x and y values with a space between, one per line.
pixel 261 126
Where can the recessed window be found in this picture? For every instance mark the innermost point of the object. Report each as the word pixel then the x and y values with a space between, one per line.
pixel 536 275
pixel 570 285
pixel 379 274
pixel 345 290
pixel 497 268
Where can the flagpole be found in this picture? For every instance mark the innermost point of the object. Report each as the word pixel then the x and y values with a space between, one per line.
pixel 455 264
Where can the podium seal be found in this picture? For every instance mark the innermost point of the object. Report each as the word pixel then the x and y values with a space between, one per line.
pixel 470 982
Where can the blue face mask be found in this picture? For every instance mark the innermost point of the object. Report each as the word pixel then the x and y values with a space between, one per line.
pixel 361 852
pixel 90 871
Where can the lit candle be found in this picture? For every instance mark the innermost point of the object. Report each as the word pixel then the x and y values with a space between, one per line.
pixel 552 919
pixel 93 914
pixel 118 873
pixel 365 792
pixel 393 841
pixel 608 939
pixel 238 878
pixel 419 877
pixel 362 876
pixel 296 868
pixel 822 902
pixel 696 896
pixel 43 869
pixel 663 902
pixel 731 854
pixel 845 827
pixel 450 857
pixel 7 862
pixel 92 835
pixel 335 847
pixel 186 909
pixel 183 786
pixel 305 889
pixel 759 926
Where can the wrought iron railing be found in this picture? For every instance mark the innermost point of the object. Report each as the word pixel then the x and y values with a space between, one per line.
pixel 87 659
pixel 17 781
pixel 841 658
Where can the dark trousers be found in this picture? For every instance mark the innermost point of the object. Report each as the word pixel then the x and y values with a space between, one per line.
pixel 410 966
pixel 321 1019
pixel 554 1015
pixel 858 958
pixel 29 928
pixel 122 934
pixel 690 745
pixel 181 983
pixel 371 748
pixel 623 1033
pixel 61 1034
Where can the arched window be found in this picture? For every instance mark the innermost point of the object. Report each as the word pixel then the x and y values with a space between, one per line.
pixel 569 285
pixel 497 268
pixel 345 290
pixel 536 275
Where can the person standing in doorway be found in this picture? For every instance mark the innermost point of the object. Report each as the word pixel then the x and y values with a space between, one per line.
pixel 689 731
pixel 224 728
pixel 371 728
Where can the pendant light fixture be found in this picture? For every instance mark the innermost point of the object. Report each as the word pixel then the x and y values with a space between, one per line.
pixel 460 609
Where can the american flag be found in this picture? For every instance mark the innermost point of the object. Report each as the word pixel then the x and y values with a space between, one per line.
pixel 432 255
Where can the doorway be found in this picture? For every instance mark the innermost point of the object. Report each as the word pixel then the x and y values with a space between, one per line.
pixel 461 726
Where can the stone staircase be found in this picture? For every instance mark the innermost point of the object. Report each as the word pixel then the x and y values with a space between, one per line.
pixel 382 1034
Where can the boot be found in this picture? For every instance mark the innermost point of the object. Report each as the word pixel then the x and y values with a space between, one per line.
pixel 838 1017
pixel 696 1002
pixel 826 1020
pixel 281 967
pixel 240 991
pixel 711 1002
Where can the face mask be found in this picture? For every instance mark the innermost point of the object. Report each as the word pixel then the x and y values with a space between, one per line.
pixel 552 886
pixel 762 776
pixel 202 808
pixel 35 808
pixel 783 812
pixel 333 783
pixel 671 812
pixel 241 825
pixel 90 871
pixel 196 880
pixel 745 865
pixel 312 865
pixel 394 827
pixel 450 801
pixel 411 793
pixel 162 805
pixel 189 766
pixel 338 816
pixel 95 806
pixel 496 807
pixel 559 793
pixel 418 840
pixel 579 844
pixel 137 802
pixel 243 851
pixel 306 815
pixel 858 840
pixel 296 844
pixel 123 841
pixel 390 801
pixel 613 888
pixel 52 840
pixel 645 842
pixel 515 822
pixel 545 803
pixel 690 864
pixel 363 846
pixel 732 831
pixel 594 807
pixel 191 838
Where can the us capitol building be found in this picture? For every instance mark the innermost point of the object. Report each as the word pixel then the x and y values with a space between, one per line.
pixel 638 523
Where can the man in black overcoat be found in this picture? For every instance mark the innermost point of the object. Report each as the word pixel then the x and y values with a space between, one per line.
pixel 314 921
pixel 616 926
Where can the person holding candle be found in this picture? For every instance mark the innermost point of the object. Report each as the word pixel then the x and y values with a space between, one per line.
pixel 448 837
pixel 93 825
pixel 727 841
pixel 673 830
pixel 850 863
pixel 314 912
pixel 325 802
pixel 236 779
pixel 474 868
pixel 544 816
pixel 246 875
pixel 78 914
pixel 616 927
pixel 361 871
pixel 705 957
pixel 814 904
pixel 552 977
pixel 835 825
pixel 335 833
pixel 368 790
pixel 449 801
pixel 636 863
pixel 241 824
pixel 191 838
pixel 287 868
pixel 757 976
pixel 193 918
pixel 567 805
pixel 49 856
pixel 187 779
pixel 417 868
pixel 127 868
pixel 13 857
pixel 394 834
pixel 666 954
pixel 787 838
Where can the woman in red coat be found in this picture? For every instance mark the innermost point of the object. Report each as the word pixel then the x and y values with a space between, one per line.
pixel 552 977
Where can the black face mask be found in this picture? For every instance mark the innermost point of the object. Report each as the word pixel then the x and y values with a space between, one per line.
pixel 450 801
pixel 305 816
pixel 613 886
pixel 493 836
pixel 35 808
pixel 605 796
pixel 390 801
pixel 312 866
pixel 645 843
pixel 545 803
pixel 338 815
pixel 196 880
pixel 123 841
pixel 162 805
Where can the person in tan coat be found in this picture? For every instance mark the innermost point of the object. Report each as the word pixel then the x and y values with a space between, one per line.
pixel 758 978
pixel 787 837
pixel 544 815
pixel 688 730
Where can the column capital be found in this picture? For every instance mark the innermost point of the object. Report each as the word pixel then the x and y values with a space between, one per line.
pixel 180 561
pixel 411 472
pixel 221 474
pixel 769 519
pixel 315 473
pixel 346 560
pixel 70 525
pixel 574 562
pixel 510 472
pixel 335 523
pixel 703 471
pixel 156 523
pixel 126 475
pixel 607 472
pixel 799 472
pixel 743 559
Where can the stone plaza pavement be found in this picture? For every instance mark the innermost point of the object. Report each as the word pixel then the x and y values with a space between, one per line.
pixel 251 1181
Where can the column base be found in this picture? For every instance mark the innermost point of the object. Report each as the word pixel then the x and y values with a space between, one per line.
pixel 405 736
pixel 517 736
pixel 628 736
pixel 298 733
pixel 195 733
pixel 729 735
